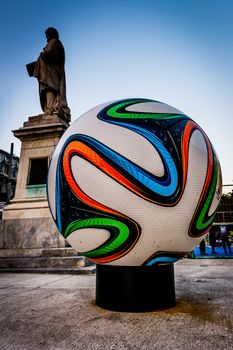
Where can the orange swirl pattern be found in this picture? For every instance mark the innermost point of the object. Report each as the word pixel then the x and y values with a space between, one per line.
pixel 82 150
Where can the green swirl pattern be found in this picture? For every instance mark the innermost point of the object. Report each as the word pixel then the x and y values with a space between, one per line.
pixel 119 234
pixel 116 112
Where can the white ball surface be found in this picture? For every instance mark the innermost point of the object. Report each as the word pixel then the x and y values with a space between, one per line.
pixel 134 182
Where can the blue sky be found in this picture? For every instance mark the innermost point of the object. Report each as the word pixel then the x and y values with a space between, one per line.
pixel 178 52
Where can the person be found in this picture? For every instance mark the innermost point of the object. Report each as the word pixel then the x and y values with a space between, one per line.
pixel 50 73
pixel 225 239
pixel 202 247
pixel 212 239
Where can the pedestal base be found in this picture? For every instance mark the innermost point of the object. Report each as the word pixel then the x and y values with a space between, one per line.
pixel 135 288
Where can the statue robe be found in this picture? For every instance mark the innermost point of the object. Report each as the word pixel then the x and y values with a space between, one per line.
pixel 50 72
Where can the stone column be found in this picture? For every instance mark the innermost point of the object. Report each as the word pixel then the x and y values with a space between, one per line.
pixel 27 222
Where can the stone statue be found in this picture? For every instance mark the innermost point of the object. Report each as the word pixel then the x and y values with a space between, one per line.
pixel 50 72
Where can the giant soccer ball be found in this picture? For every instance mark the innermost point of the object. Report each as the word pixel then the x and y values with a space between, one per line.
pixel 134 182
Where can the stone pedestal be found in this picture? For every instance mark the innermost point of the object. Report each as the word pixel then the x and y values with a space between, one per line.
pixel 27 228
pixel 39 136
pixel 29 239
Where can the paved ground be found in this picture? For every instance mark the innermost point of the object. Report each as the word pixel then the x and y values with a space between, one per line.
pixel 46 311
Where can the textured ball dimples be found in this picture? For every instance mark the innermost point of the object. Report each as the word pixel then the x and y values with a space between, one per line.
pixel 134 182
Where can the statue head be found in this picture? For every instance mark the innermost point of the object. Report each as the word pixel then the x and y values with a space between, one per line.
pixel 51 33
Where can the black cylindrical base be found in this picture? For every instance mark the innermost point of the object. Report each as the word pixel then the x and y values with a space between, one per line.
pixel 135 288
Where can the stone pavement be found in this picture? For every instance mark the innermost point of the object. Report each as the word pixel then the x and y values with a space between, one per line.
pixel 50 311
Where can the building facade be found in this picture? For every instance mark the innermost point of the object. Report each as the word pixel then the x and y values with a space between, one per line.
pixel 8 173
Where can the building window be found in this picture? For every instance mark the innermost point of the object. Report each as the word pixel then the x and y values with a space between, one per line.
pixel 38 171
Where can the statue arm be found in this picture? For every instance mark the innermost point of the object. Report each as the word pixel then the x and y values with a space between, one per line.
pixel 48 49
